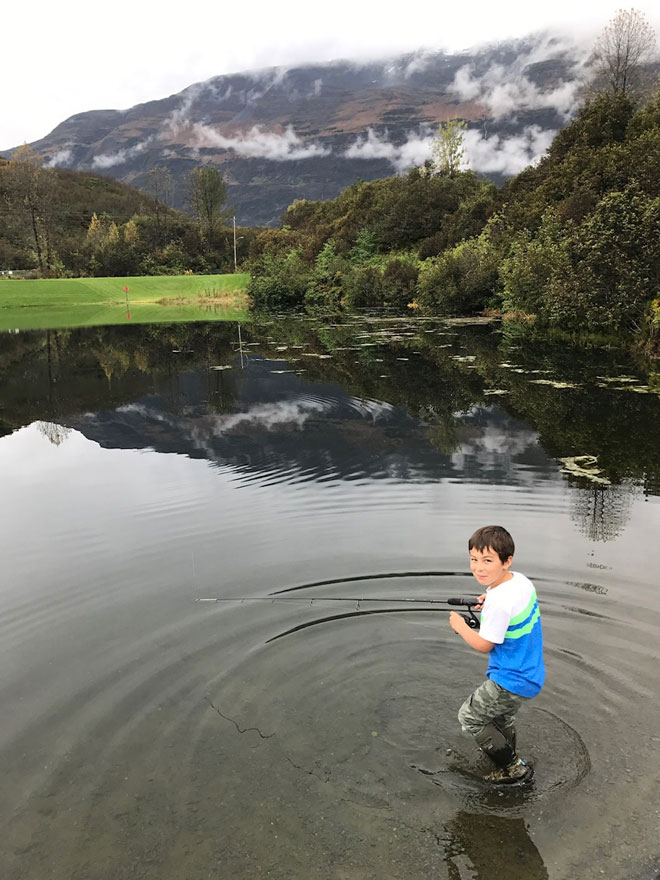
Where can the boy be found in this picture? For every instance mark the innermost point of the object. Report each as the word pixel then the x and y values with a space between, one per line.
pixel 511 634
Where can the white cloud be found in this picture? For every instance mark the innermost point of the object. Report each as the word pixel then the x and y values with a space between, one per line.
pixel 487 155
pixel 371 147
pixel 415 151
pixel 502 94
pixel 465 86
pixel 60 159
pixel 258 143
pixel 108 160
pixel 507 156
pixel 508 89
pixel 181 117
pixel 419 63
pixel 183 125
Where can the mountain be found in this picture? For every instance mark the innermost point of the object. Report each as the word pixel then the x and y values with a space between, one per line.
pixel 310 131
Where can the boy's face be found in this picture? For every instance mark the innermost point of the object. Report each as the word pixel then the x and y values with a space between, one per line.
pixel 488 568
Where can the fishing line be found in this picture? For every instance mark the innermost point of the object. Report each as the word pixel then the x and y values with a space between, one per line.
pixel 470 618
pixel 358 599
pixel 372 577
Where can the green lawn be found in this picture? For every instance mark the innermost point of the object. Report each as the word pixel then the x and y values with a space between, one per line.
pixel 78 302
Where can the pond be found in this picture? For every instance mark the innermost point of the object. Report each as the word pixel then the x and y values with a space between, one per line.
pixel 165 716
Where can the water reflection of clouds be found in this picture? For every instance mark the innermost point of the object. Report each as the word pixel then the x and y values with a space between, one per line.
pixel 496 440
pixel 273 415
pixel 325 431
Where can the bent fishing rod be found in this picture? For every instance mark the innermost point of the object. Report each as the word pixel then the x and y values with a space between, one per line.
pixel 470 618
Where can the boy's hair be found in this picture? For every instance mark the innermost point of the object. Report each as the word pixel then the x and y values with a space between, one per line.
pixel 495 537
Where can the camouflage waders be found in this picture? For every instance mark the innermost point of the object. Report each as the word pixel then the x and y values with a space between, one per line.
pixel 488 715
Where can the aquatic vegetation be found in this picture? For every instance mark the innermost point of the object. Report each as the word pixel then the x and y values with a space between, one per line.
pixel 585 466
pixel 614 379
pixel 553 383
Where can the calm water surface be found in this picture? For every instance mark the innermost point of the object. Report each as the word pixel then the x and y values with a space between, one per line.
pixel 148 732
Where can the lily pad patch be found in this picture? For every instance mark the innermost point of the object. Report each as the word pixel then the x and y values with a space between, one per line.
pixel 553 383
pixel 585 466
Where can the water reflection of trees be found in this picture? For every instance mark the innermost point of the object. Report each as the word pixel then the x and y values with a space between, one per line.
pixel 51 375
pixel 436 373
pixel 601 512
pixel 57 434
pixel 437 383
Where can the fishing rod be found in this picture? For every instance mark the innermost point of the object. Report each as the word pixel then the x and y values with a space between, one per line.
pixel 470 618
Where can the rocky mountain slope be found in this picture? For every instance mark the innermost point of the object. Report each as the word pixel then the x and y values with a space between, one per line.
pixel 308 132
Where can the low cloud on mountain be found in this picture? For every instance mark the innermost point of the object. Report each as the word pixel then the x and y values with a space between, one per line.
pixel 415 151
pixel 505 89
pixel 487 155
pixel 184 124
pixel 60 159
pixel 257 143
pixel 108 160
pixel 507 155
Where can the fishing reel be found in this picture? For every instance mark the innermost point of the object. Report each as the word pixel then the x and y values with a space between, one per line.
pixel 471 619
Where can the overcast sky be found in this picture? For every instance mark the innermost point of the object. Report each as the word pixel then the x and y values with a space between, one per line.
pixel 57 59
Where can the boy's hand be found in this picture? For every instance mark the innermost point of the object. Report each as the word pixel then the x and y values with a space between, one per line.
pixel 480 602
pixel 456 622
pixel 473 638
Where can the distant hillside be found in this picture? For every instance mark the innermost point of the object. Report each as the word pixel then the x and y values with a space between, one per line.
pixel 79 194
pixel 73 198
pixel 309 132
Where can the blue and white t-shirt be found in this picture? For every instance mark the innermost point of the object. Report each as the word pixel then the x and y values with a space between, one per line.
pixel 511 619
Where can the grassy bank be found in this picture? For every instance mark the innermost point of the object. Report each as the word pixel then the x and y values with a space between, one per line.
pixel 79 302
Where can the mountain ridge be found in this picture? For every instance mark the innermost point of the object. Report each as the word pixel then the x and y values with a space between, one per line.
pixel 309 131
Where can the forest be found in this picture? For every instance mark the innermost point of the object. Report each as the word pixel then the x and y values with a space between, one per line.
pixel 59 223
pixel 572 243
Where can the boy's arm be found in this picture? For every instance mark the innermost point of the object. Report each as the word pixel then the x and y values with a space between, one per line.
pixel 472 637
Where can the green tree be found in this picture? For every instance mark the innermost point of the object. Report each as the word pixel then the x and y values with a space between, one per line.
pixel 614 265
pixel 160 186
pixel 208 194
pixel 448 147
pixel 532 263
pixel 278 280
pixel 462 280
pixel 363 287
pixel 325 286
pixel 400 281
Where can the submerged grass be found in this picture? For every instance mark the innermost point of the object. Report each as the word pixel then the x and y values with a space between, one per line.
pixel 80 302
